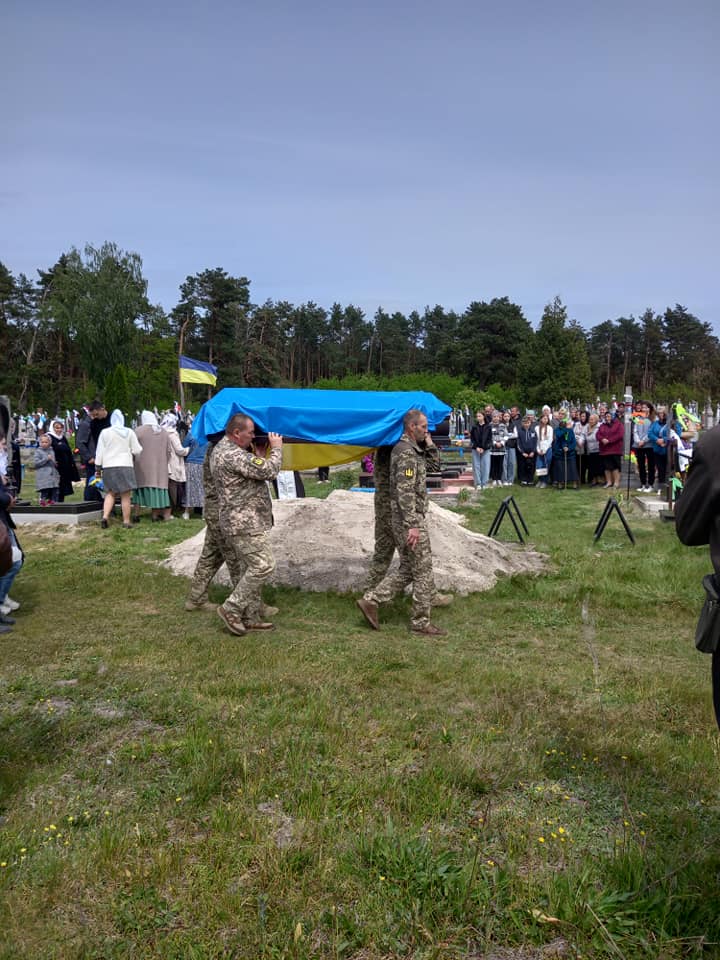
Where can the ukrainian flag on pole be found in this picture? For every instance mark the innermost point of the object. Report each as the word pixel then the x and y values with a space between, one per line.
pixel 195 371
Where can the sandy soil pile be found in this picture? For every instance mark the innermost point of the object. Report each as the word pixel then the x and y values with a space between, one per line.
pixel 327 545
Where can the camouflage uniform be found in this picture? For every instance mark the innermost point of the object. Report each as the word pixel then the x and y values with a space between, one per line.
pixel 384 537
pixel 408 501
pixel 215 550
pixel 245 511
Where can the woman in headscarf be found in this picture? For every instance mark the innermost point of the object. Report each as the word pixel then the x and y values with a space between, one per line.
pixel 117 445
pixel 176 462
pixel 151 468
pixel 64 459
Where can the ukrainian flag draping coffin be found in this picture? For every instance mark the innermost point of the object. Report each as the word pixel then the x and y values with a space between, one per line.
pixel 306 456
pixel 327 427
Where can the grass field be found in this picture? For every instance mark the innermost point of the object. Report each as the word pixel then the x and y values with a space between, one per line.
pixel 542 782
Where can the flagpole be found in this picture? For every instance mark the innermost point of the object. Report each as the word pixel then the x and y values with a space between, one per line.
pixel 180 351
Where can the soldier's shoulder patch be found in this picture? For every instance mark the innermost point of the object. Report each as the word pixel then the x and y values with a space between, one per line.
pixel 257 461
pixel 409 472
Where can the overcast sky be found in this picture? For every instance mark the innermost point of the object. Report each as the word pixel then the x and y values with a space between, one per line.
pixel 388 153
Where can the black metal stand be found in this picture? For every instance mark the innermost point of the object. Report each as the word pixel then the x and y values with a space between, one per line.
pixel 611 505
pixel 506 508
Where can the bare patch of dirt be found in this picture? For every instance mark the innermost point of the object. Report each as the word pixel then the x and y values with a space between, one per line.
pixel 108 712
pixel 554 950
pixel 55 705
pixel 284 825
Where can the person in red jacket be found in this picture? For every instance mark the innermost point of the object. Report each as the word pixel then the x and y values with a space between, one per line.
pixel 611 434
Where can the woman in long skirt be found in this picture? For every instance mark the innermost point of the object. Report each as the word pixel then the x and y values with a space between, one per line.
pixel 564 462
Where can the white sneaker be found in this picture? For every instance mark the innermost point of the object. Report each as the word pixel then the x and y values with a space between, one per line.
pixel 11 604
pixel 641 489
pixel 186 516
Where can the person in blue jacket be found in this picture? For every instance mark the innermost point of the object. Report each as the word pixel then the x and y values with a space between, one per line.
pixel 563 455
pixel 194 489
pixel 659 436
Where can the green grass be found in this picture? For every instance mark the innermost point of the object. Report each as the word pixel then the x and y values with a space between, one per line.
pixel 547 772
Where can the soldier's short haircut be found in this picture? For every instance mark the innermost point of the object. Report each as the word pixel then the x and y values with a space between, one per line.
pixel 238 421
pixel 96 405
pixel 412 416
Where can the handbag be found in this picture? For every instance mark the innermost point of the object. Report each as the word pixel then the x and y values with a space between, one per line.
pixel 707 632
pixel 6 549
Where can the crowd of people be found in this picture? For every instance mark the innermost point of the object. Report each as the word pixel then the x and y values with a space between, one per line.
pixel 153 476
pixel 156 464
pixel 143 467
pixel 571 447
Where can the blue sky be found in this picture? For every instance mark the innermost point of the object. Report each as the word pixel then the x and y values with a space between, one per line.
pixel 400 154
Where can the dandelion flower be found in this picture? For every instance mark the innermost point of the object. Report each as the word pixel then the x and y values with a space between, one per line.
pixel 541 839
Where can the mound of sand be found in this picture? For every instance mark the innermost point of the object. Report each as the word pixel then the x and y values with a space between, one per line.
pixel 327 545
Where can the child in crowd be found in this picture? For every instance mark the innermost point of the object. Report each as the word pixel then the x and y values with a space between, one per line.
pixel 47 477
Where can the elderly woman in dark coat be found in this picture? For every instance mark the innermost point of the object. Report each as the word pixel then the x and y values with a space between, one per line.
pixel 63 459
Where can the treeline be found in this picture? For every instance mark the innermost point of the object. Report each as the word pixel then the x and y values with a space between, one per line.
pixel 84 326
